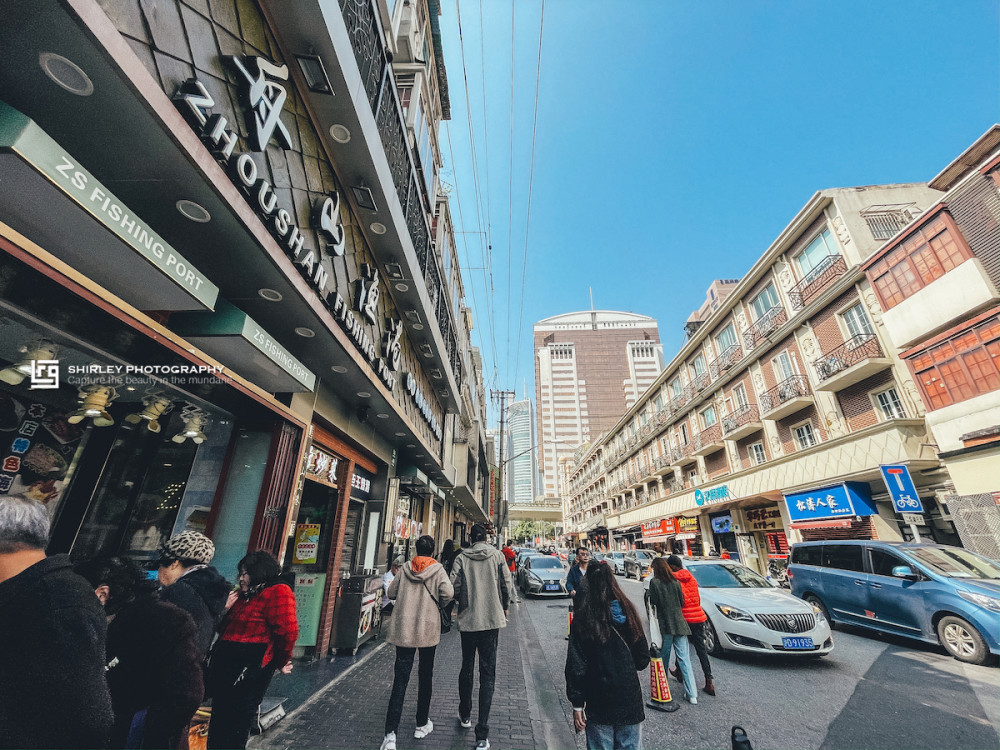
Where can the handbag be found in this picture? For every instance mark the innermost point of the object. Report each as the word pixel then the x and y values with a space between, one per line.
pixel 444 612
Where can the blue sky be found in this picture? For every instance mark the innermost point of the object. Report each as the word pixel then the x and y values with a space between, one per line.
pixel 675 140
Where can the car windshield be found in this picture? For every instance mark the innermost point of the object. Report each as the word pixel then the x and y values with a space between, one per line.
pixel 954 562
pixel 545 562
pixel 644 555
pixel 728 577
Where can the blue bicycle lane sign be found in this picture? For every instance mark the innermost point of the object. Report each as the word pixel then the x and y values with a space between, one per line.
pixel 901 488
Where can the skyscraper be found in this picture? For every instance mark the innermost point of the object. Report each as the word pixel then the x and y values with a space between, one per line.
pixel 590 366
pixel 522 469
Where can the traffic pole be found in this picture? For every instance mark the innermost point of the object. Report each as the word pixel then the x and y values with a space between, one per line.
pixel 659 687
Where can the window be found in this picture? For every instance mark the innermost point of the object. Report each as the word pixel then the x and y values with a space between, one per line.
pixel 807 554
pixel 856 322
pixel 708 417
pixel 962 367
pixel 843 557
pixel 816 252
pixel 740 396
pixel 890 405
pixel 757 454
pixel 764 302
pixel 682 436
pixel 698 366
pixel 658 402
pixel 804 435
pixel 675 386
pixel 884 561
pixel 783 367
pixel 927 255
pixel 726 338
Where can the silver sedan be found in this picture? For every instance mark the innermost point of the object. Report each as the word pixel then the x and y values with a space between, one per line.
pixel 543 575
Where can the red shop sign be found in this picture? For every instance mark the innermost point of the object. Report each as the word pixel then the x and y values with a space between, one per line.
pixel 663 527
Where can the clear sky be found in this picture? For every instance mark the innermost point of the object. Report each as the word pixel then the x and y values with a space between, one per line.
pixel 675 140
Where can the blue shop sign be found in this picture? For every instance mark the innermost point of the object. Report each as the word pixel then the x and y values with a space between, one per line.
pixel 843 500
pixel 715 495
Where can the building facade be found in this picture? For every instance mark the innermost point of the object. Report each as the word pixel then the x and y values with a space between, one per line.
pixel 230 298
pixel 522 467
pixel 588 367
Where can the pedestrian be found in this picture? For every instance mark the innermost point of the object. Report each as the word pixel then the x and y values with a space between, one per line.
pixel 575 580
pixel 607 648
pixel 256 637
pixel 448 551
pixel 154 664
pixel 387 578
pixel 420 589
pixel 189 581
pixel 695 617
pixel 665 593
pixel 509 554
pixel 724 554
pixel 52 634
pixel 482 589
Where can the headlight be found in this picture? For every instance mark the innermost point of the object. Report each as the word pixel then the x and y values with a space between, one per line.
pixel 818 612
pixel 989 602
pixel 535 576
pixel 733 613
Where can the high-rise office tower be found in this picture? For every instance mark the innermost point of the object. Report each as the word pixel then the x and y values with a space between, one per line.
pixel 590 366
pixel 522 469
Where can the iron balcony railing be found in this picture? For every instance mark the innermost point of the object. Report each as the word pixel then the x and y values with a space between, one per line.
pixel 685 451
pixel 680 399
pixel 662 462
pixel 671 486
pixel 746 414
pixel 708 436
pixel 793 387
pixel 700 382
pixel 831 268
pixel 768 322
pixel 852 351
pixel 727 359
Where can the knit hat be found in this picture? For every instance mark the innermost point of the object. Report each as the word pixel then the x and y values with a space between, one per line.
pixel 189 545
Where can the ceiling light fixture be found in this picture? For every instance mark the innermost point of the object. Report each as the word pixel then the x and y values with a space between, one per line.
pixel 394 270
pixel 271 295
pixel 339 369
pixel 340 134
pixel 401 287
pixel 382 416
pixel 306 333
pixel 418 327
pixel 94 400
pixel 195 420
pixel 193 211
pixel 315 74
pixel 378 227
pixel 364 394
pixel 155 405
pixel 66 74
pixel 364 197
pixel 33 351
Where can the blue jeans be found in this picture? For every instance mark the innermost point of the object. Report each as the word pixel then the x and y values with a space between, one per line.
pixel 614 736
pixel 679 643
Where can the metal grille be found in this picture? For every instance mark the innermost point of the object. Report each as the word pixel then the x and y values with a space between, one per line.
pixel 977 521
pixel 390 128
pixel 788 623
pixel 363 28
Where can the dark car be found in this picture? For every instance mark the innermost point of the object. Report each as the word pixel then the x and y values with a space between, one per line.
pixel 543 575
pixel 638 563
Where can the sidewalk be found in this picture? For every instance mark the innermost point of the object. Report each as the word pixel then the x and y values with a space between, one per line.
pixel 350 713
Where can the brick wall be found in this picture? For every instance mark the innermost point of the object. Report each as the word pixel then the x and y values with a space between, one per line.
pixel 788 344
pixel 975 206
pixel 743 447
pixel 747 383
pixel 856 404
pixel 825 325
pixel 785 431
pixel 716 464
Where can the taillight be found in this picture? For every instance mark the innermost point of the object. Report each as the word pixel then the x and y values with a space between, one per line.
pixel 790 575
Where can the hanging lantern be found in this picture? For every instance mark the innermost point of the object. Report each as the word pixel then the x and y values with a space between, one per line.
pixel 155 405
pixel 37 349
pixel 195 420
pixel 94 400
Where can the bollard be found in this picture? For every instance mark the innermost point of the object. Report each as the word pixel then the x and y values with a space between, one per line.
pixel 659 688
pixel 569 626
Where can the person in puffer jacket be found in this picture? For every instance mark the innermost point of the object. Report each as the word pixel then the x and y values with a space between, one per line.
pixel 695 617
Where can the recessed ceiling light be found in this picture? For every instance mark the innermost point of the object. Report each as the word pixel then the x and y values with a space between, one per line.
pixel 271 295
pixel 382 416
pixel 307 333
pixel 402 287
pixel 364 394
pixel 411 445
pixel 377 227
pixel 418 327
pixel 193 211
pixel 400 434
pixel 340 134
pixel 66 74
pixel 340 369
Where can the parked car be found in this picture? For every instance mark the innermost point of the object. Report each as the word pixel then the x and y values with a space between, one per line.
pixel 746 612
pixel 932 592
pixel 638 562
pixel 617 561
pixel 544 575
pixel 523 554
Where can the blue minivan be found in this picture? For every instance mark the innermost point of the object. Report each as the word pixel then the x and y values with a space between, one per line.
pixel 932 592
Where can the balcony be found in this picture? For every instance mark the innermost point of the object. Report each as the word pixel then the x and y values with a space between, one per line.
pixel 662 463
pixel 678 401
pixel 682 456
pixel 831 268
pixel 727 359
pixel 672 486
pixel 699 383
pixel 708 440
pixel 857 358
pixel 787 397
pixel 764 326
pixel 742 422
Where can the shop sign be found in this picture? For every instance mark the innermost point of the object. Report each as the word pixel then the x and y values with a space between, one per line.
pixel 361 485
pixel 370 605
pixel 762 519
pixel 322 465
pixel 687 526
pixel 722 524
pixel 839 501
pixel 275 352
pixel 663 527
pixel 306 544
pixel 308 604
pixel 715 495
pixel 423 405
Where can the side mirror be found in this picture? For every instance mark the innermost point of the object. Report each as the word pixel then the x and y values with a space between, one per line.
pixel 905 571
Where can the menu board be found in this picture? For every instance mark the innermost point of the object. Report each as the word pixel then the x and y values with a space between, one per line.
pixel 308 603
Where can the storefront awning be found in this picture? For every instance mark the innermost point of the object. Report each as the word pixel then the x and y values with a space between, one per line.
pixel 839 523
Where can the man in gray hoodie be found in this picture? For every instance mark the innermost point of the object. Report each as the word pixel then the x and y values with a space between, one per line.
pixel 482 589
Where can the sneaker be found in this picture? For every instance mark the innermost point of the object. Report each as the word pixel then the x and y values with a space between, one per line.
pixel 421 732
pixel 389 743
pixel 464 722
pixel 692 700
pixel 483 745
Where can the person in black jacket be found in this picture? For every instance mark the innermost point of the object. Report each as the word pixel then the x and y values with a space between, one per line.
pixel 154 664
pixel 607 647
pixel 52 632
pixel 192 584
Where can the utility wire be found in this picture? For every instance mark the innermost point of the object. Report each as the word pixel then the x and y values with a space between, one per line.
pixel 510 180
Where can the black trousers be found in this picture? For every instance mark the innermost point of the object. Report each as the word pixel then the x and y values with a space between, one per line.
pixel 483 642
pixel 401 678
pixel 237 683
pixel 698 641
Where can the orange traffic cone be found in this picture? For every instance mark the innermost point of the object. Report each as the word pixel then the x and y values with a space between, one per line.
pixel 659 688
pixel 570 626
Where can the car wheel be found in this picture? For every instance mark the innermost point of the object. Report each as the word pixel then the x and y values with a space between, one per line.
pixel 712 644
pixel 962 640
pixel 818 603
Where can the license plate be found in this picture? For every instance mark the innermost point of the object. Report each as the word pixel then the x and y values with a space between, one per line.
pixel 552 587
pixel 797 643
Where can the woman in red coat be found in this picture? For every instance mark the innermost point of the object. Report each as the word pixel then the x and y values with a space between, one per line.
pixel 695 617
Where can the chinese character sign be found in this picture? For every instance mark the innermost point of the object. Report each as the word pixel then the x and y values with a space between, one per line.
pixel 839 501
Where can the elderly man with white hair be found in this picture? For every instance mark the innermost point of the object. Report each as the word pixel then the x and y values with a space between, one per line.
pixel 52 688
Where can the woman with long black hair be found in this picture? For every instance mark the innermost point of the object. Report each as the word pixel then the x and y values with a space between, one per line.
pixel 667 596
pixel 607 647
pixel 256 638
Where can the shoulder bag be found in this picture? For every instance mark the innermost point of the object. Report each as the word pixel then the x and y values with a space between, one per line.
pixel 444 612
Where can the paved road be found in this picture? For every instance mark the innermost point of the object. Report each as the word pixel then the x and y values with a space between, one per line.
pixel 871 693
